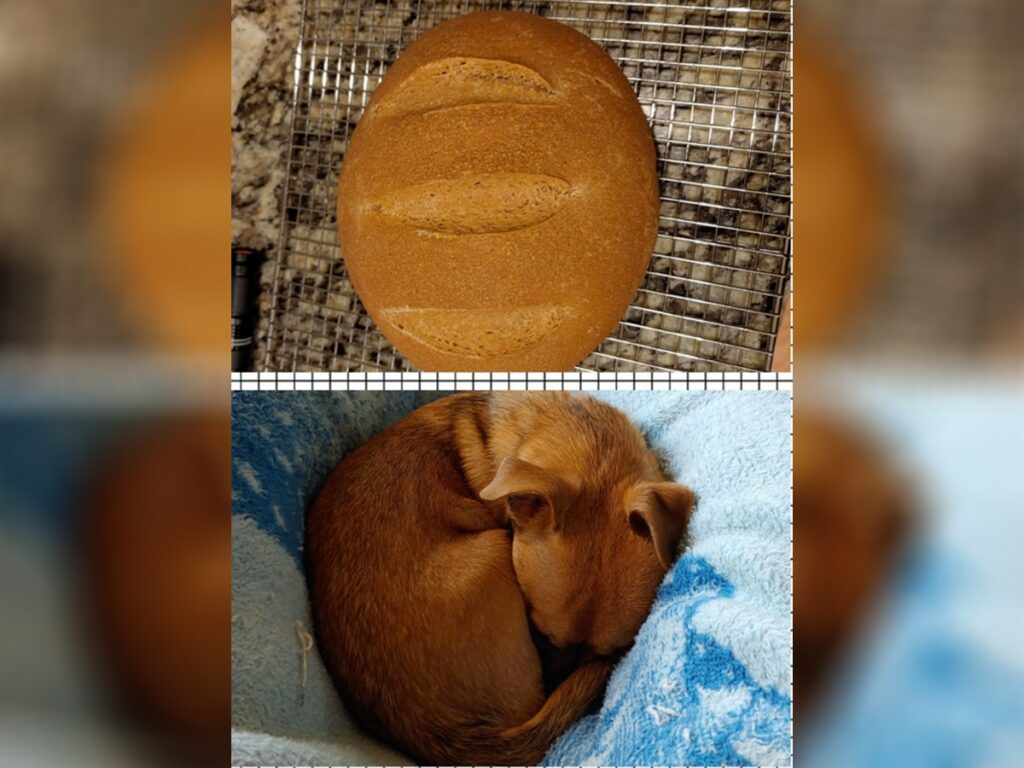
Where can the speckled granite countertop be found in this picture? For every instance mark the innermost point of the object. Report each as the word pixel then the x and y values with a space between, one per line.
pixel 264 34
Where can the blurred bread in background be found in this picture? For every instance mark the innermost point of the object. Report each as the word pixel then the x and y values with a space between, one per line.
pixel 908 182
pixel 114 203
pixel 164 194
pixel 840 197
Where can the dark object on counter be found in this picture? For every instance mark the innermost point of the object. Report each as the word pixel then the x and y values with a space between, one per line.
pixel 245 264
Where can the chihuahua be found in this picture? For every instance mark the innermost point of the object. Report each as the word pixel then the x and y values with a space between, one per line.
pixel 439 548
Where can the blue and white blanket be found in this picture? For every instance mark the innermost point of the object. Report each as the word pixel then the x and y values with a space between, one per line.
pixel 708 681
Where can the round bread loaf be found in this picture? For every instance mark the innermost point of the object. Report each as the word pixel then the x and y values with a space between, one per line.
pixel 498 201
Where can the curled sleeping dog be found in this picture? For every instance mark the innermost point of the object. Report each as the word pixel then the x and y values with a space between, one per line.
pixel 437 547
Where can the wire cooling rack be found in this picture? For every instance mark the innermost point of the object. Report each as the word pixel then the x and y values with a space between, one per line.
pixel 712 77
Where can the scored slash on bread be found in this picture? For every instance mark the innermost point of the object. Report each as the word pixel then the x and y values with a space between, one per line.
pixel 463 81
pixel 477 333
pixel 477 203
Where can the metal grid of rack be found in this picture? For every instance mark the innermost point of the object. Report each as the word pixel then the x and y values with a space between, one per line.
pixel 712 76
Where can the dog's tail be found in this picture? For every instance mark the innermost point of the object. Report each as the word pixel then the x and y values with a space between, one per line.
pixel 527 744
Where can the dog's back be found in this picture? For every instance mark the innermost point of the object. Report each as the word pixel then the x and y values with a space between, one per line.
pixel 418 611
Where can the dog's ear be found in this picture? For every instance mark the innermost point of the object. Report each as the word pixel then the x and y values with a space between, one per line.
pixel 534 495
pixel 660 512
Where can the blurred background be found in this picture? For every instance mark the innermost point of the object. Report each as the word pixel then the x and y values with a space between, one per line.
pixel 115 231
pixel 909 396
pixel 907 172
pixel 908 633
pixel 114 423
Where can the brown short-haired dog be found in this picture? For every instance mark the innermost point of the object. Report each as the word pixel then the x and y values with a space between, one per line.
pixel 431 547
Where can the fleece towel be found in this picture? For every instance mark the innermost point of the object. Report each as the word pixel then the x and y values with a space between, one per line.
pixel 708 681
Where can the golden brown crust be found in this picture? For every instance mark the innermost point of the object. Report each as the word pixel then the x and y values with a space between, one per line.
pixel 504 166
